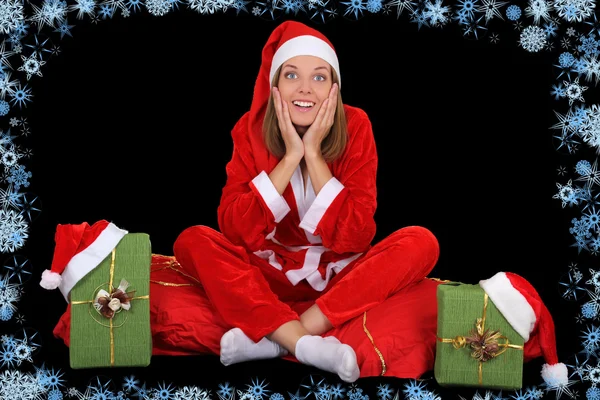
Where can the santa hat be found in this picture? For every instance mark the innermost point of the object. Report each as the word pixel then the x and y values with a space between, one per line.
pixel 520 304
pixel 289 39
pixel 79 248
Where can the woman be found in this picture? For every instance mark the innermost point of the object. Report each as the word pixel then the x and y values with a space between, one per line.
pixel 296 216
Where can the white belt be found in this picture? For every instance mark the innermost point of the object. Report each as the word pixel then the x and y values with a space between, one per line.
pixel 310 268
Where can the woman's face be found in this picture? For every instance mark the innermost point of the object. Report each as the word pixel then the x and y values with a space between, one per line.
pixel 304 83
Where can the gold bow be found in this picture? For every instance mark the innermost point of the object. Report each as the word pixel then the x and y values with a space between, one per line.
pixel 118 299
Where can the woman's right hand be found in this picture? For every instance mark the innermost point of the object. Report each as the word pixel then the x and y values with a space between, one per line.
pixel 294 147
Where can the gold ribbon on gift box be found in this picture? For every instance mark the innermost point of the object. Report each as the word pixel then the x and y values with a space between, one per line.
pixel 169 262
pixel 109 304
pixel 484 342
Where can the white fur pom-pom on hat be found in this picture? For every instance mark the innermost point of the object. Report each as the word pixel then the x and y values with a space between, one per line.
pixel 555 375
pixel 50 280
pixel 79 248
pixel 521 305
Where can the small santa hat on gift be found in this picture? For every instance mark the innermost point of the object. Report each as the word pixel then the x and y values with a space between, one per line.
pixel 79 248
pixel 521 305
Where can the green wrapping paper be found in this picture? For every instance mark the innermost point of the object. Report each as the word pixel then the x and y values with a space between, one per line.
pixel 459 307
pixel 125 339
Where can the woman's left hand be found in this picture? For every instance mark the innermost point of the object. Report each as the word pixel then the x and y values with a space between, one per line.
pixel 320 127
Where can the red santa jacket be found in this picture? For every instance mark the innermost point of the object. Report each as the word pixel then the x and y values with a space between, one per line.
pixel 305 236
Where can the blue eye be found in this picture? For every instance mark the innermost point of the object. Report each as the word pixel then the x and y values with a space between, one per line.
pixel 293 75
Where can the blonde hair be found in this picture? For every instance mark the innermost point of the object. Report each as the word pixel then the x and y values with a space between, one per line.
pixel 332 146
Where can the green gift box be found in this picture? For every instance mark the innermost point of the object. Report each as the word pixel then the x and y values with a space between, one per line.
pixel 104 333
pixel 476 345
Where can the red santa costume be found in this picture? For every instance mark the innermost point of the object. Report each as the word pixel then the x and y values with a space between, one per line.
pixel 272 249
pixel 276 255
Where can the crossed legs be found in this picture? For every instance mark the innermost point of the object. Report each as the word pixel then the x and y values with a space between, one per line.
pixel 406 256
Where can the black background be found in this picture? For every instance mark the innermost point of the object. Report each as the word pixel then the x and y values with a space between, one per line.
pixel 131 123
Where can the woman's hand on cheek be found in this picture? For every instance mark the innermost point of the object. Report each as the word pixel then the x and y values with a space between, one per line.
pixel 320 128
pixel 293 143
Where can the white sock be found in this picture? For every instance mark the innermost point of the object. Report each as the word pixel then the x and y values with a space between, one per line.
pixel 237 347
pixel 328 354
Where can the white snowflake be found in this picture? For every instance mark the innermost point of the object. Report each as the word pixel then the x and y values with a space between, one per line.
pixel 52 13
pixel 16 385
pixel 574 10
pixel 158 7
pixel 13 231
pixel 11 13
pixel 533 38
pixel 538 9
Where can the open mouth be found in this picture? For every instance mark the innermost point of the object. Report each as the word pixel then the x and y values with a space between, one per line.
pixel 303 106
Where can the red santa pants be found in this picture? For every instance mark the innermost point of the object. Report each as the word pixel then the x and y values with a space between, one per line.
pixel 252 295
